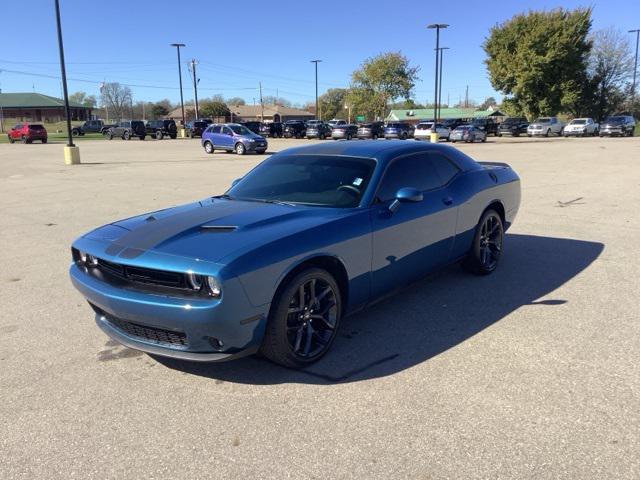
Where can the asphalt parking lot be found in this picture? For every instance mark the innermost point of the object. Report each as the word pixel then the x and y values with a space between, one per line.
pixel 532 372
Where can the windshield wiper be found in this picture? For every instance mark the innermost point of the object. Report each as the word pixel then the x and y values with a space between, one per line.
pixel 277 202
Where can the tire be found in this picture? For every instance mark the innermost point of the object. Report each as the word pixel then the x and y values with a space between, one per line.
pixel 126 135
pixel 143 137
pixel 23 139
pixel 486 248
pixel 292 337
pixel 11 140
pixel 631 133
pixel 44 140
pixel 348 136
pixel 240 149
pixel 159 135
pixel 484 139
pixel 208 147
pixel 500 135
pixel 547 132
pixel 109 135
pixel 173 137
pixel 75 132
pixel 453 141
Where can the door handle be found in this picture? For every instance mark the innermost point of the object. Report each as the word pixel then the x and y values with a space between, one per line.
pixel 447 200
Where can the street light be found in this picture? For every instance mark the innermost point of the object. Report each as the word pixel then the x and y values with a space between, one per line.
pixel 316 62
pixel 437 27
pixel 440 82
pixel 635 67
pixel 71 152
pixel 178 45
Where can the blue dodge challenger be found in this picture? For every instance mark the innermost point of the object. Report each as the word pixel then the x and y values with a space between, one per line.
pixel 308 236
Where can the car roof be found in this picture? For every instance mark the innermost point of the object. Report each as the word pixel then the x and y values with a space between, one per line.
pixel 382 151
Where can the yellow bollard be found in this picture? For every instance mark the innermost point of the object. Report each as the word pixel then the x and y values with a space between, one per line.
pixel 71 155
pixel 434 137
pixel 183 133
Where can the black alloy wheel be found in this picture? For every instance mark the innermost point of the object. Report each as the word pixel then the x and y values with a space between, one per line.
pixel 159 135
pixel 304 322
pixel 487 244
pixel 126 135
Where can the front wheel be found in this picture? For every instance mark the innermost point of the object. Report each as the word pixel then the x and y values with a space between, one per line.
pixel 303 320
pixel 240 148
pixel 11 140
pixel 110 135
pixel 160 135
pixel 126 136
pixel 486 248
pixel 208 147
pixel 44 140
pixel 547 133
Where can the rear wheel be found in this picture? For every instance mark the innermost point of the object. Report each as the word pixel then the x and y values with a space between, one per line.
pixel 109 135
pixel 240 148
pixel 126 136
pixel 160 135
pixel 486 248
pixel 208 147
pixel 44 140
pixel 11 140
pixel 303 320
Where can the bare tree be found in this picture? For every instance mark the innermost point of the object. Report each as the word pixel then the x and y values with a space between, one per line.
pixel 117 98
pixel 610 66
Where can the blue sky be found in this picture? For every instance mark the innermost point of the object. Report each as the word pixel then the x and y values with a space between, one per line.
pixel 239 44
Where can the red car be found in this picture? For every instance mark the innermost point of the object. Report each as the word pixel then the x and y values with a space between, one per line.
pixel 27 133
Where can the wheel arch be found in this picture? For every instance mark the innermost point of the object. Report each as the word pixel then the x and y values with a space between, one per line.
pixel 498 207
pixel 331 263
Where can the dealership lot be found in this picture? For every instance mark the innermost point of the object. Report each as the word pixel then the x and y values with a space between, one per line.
pixel 531 372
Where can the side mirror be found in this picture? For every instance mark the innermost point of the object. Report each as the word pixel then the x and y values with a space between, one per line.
pixel 406 195
pixel 235 182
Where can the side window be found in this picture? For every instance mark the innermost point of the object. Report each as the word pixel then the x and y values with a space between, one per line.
pixel 444 167
pixel 415 171
pixel 216 129
pixel 226 131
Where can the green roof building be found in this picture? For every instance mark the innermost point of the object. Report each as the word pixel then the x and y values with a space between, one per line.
pixel 36 107
pixel 422 114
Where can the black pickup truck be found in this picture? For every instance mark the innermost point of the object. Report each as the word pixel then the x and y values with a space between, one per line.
pixel 91 126
pixel 487 125
pixel 161 128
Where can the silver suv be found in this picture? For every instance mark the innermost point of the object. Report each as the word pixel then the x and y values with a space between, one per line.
pixel 545 126
pixel 619 125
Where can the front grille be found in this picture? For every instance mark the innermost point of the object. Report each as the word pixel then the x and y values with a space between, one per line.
pixel 143 275
pixel 151 334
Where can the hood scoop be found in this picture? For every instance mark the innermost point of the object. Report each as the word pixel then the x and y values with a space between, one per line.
pixel 218 228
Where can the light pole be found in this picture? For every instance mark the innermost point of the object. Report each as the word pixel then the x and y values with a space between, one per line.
pixel 316 62
pixel 635 67
pixel 178 45
pixel 195 85
pixel 440 82
pixel 437 27
pixel 71 152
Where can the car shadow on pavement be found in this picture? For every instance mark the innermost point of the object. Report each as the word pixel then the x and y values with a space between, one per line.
pixel 427 318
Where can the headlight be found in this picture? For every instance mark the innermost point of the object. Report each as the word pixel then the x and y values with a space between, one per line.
pixel 195 281
pixel 213 286
pixel 87 259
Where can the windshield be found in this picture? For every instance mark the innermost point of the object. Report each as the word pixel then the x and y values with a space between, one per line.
pixel 543 120
pixel 578 122
pixel 320 180
pixel 510 121
pixel 240 130
pixel 615 120
pixel 462 128
pixel 424 126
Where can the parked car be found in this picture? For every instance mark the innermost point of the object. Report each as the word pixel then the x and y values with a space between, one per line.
pixel 468 133
pixel 162 128
pixel 304 239
pixel 128 129
pixel 514 126
pixel 424 129
pixel 545 126
pixel 273 129
pixel 336 122
pixel 294 129
pixel 91 126
pixel 344 132
pixel 618 125
pixel 372 130
pixel 27 133
pixel 232 137
pixel 196 128
pixel 319 130
pixel 581 127
pixel 253 126
pixel 453 123
pixel 488 125
pixel 398 130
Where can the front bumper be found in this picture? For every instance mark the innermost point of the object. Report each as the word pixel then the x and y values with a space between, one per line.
pixel 611 132
pixel 200 321
pixel 256 146
pixel 574 133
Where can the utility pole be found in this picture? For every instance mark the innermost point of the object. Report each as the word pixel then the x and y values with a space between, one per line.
pixel 195 85
pixel 316 63
pixel 635 68
pixel 466 97
pixel 440 83
pixel 261 103
pixel 178 45
pixel 437 27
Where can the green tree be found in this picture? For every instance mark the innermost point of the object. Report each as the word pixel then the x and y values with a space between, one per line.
pixel 235 101
pixel 84 99
pixel 213 108
pixel 159 110
pixel 332 102
pixel 488 102
pixel 539 59
pixel 380 80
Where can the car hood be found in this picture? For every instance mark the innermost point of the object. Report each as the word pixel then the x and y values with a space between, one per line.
pixel 211 230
